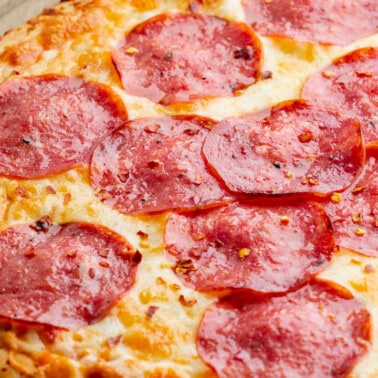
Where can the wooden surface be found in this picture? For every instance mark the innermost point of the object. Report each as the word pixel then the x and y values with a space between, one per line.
pixel 15 12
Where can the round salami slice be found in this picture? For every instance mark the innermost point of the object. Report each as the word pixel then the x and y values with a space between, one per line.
pixel 338 22
pixel 351 85
pixel 354 213
pixel 155 164
pixel 294 147
pixel 183 57
pixel 65 276
pixel 51 123
pixel 264 249
pixel 318 331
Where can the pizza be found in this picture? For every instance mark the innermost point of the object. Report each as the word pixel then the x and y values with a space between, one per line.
pixel 190 189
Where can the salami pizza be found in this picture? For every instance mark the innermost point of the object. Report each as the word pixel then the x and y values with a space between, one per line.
pixel 190 189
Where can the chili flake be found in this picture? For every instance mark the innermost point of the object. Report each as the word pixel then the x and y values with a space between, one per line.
pixel 359 231
pixel 244 252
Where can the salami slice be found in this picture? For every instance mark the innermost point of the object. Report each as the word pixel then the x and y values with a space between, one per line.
pixel 264 249
pixel 51 123
pixel 318 331
pixel 294 147
pixel 355 216
pixel 65 276
pixel 351 85
pixel 338 22
pixel 155 164
pixel 183 57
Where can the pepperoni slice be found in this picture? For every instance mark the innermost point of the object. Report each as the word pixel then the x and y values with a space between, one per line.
pixel 65 276
pixel 155 164
pixel 294 147
pixel 338 22
pixel 51 123
pixel 317 331
pixel 350 84
pixel 265 249
pixel 183 57
pixel 355 217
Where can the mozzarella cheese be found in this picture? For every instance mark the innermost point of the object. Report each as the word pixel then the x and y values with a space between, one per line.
pixel 151 332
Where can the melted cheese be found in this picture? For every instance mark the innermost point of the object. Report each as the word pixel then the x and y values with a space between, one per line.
pixel 151 332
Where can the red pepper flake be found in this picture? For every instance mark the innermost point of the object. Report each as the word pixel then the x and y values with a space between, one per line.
pixel 154 164
pixel 284 220
pixel 71 253
pixel 208 125
pixel 187 302
pixel 29 252
pixel 361 73
pixel 160 281
pixel 102 194
pixel 91 273
pixel 305 137
pixel 67 198
pixel 123 177
pixel 184 266
pixel 50 189
pixel 175 287
pixel 218 243
pixel 113 341
pixel 332 317
pixel 198 180
pixel 104 264
pixel 357 218
pixel 359 231
pixel 243 253
pixel 310 180
pixel 200 237
pixel 328 74
pixel 142 235
pixel 336 197
pixel 288 175
pixel 190 132
pixel 137 258
pixel 42 224
pixel 358 189
pixel 151 311
pixel 132 50
pixel 313 181
pixel 369 268
pixel 152 128
pixel 103 253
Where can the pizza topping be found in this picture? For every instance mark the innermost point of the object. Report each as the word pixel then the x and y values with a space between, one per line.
pixel 354 217
pixel 161 169
pixel 181 57
pixel 336 22
pixel 322 151
pixel 46 266
pixel 351 92
pixel 318 331
pixel 51 123
pixel 265 249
